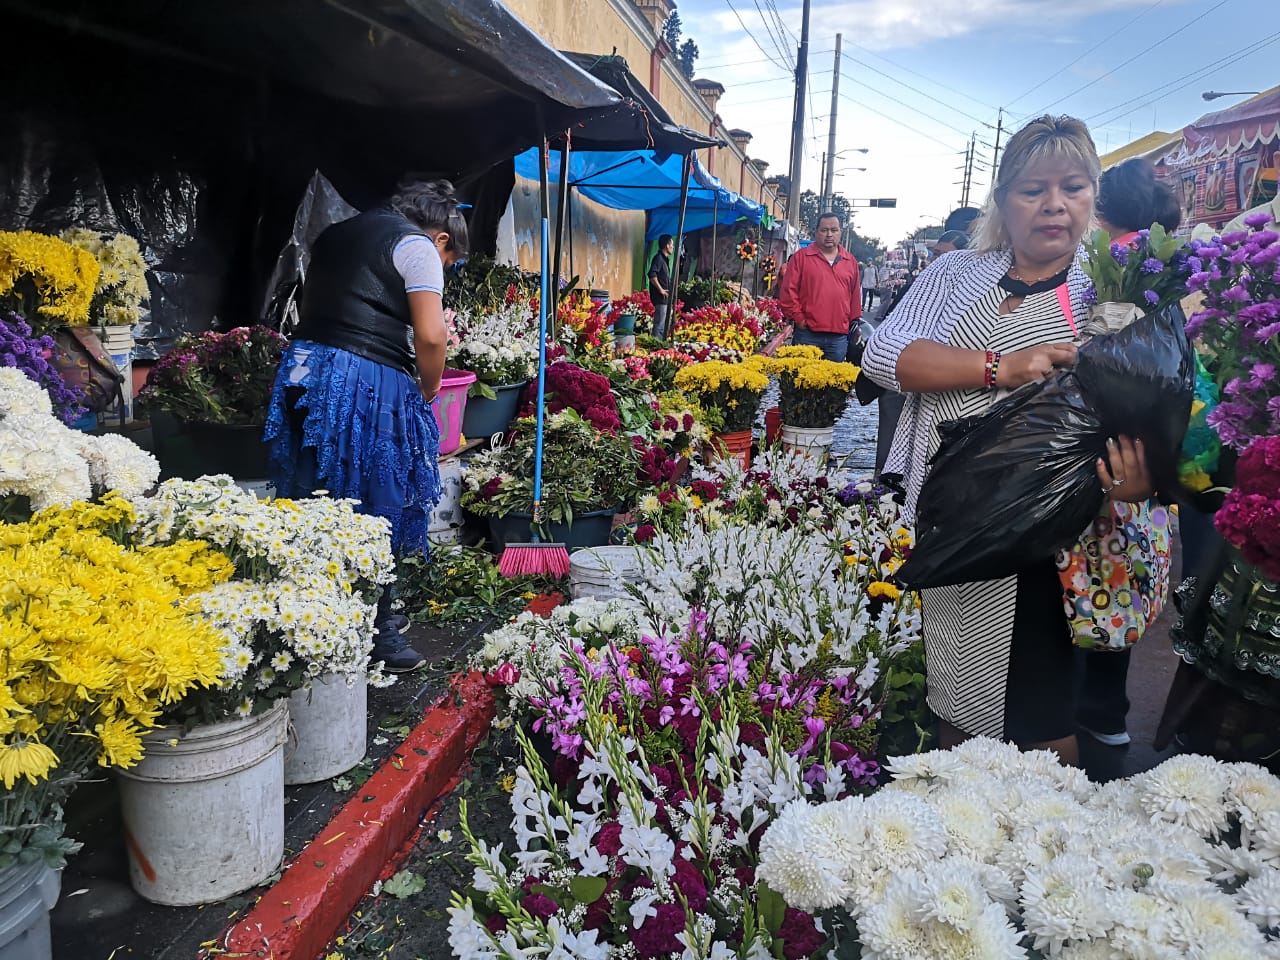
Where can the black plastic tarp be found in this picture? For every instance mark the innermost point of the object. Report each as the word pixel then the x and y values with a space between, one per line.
pixel 196 126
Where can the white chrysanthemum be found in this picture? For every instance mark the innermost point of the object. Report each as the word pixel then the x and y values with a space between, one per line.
pixel 888 927
pixel 1264 839
pixel 951 893
pixel 1210 917
pixel 1090 950
pixel 1230 864
pixel 797 864
pixel 902 830
pixel 1061 902
pixel 1260 899
pixel 1141 921
pixel 1188 790
pixel 117 463
pixel 1120 797
pixel 1254 790
pixel 19 395
pixel 931 767
pixel 991 937
pixel 969 822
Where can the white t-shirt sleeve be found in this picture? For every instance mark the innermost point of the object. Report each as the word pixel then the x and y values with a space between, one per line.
pixel 417 260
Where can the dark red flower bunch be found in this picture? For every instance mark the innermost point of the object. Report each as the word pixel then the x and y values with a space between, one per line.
pixel 657 468
pixel 1250 516
pixel 571 387
pixel 639 303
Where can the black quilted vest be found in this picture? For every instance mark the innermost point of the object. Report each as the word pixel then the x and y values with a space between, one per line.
pixel 354 297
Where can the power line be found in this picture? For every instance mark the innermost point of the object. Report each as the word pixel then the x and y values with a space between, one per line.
pixel 1193 77
pixel 746 63
pixel 907 126
pixel 1104 40
pixel 929 116
pixel 1136 56
pixel 916 73
pixel 908 86
pixel 775 38
pixel 748 32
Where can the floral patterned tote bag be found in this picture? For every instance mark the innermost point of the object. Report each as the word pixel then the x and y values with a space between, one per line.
pixel 1116 576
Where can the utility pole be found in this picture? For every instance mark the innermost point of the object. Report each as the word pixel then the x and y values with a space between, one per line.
pixel 797 120
pixel 827 191
pixel 968 172
pixel 995 159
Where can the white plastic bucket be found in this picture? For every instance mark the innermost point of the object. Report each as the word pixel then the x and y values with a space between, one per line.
pixel 28 892
pixel 328 729
pixel 117 340
pixel 447 519
pixel 204 810
pixel 603 572
pixel 811 441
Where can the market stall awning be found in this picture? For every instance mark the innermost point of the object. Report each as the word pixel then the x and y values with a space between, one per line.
pixel 644 180
pixel 453 85
pixel 1242 127
pixel 648 127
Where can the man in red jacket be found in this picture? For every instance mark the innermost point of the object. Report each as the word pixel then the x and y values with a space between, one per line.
pixel 821 293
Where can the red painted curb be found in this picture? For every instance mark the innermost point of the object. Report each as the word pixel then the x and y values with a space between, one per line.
pixel 298 917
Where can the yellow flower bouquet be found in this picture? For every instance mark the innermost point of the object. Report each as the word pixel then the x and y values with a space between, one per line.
pixel 729 392
pixel 47 280
pixel 97 639
pixel 813 391
pixel 121 289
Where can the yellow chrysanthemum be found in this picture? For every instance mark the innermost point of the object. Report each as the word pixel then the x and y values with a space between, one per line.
pixel 121 743
pixel 25 758
pixel 879 588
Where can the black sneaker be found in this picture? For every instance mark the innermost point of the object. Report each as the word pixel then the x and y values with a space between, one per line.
pixel 397 657
pixel 400 622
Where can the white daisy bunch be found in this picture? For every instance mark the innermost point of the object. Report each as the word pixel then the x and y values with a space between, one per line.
pixel 285 633
pixel 984 851
pixel 273 539
pixel 538 647
pixel 499 345
pixel 43 459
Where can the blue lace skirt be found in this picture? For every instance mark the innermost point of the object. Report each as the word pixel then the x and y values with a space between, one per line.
pixel 357 429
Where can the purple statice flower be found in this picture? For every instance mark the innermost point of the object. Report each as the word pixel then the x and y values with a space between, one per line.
pixel 1195 326
pixel 22 349
pixel 1144 234
pixel 1152 265
pixel 1237 293
pixel 1090 295
pixel 1235 237
pixel 1120 254
pixel 1151 297
pixel 1195 264
pixel 1261 374
pixel 1263 334
pixel 1230 420
pixel 1257 220
pixel 1266 255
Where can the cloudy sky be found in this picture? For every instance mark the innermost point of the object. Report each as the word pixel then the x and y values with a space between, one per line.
pixel 919 77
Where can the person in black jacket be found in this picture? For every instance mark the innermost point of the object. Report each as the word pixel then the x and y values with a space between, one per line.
pixel 660 291
pixel 349 412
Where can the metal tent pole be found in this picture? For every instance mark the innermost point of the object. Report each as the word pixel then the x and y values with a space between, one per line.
pixel 562 207
pixel 687 174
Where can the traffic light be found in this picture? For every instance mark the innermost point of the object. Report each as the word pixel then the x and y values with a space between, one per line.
pixel 889 202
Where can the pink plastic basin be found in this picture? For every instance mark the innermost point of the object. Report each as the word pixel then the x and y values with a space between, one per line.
pixel 450 405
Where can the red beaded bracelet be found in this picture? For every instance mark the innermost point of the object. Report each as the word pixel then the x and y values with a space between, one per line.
pixel 991 369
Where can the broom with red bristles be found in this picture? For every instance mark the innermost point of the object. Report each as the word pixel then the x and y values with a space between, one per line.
pixel 536 557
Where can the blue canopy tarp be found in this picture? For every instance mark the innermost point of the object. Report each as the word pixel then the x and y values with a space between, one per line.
pixel 645 180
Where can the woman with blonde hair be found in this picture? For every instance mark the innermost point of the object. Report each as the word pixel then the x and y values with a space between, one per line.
pixel 976 324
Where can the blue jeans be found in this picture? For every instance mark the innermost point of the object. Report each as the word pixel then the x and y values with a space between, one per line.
pixel 834 346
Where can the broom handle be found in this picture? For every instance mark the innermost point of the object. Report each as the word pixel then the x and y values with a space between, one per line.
pixel 544 293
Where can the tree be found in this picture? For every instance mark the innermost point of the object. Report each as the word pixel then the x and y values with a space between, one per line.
pixel 862 248
pixel 928 232
pixel 688 56
pixel 672 29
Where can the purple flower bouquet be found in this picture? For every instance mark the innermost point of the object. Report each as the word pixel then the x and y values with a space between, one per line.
pixel 22 349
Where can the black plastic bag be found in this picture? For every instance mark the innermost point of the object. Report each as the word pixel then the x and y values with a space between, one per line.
pixel 1019 483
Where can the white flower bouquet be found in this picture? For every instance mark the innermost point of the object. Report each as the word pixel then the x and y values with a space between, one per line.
pixel 500 346
pixel 302 603
pixel 984 851
pixel 49 464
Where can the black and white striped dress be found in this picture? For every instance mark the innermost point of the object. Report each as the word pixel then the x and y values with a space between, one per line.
pixel 968 628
